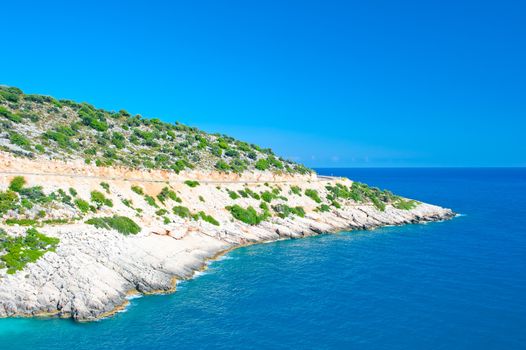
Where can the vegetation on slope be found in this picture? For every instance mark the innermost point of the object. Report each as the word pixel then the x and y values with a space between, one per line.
pixel 248 215
pixel 17 252
pixel 122 224
pixel 33 125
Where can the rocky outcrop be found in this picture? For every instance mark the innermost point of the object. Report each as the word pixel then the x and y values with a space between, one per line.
pixel 93 271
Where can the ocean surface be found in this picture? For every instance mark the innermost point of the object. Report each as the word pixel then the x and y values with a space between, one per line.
pixel 459 284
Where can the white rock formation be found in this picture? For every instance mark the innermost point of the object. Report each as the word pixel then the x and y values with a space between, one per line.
pixel 92 271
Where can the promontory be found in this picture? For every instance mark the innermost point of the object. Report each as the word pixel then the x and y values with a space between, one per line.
pixel 96 205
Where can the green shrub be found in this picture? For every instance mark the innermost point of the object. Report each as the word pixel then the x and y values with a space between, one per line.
pixel 207 218
pixel 15 118
pixel 404 204
pixel 9 96
pixel 118 140
pixel 18 251
pixel 275 162
pixel 106 186
pixel 127 202
pixel 336 204
pixel 17 184
pixel 26 203
pixel 221 165
pixel 72 192
pixel 122 224
pixel 377 203
pixel 21 222
pixel 19 140
pixel 161 212
pixel 180 165
pixel 64 197
pixel 138 190
pixel 181 211
pixel 35 194
pixel 360 192
pixel 252 194
pixel 313 194
pixel 268 196
pixel 323 208
pixel 166 193
pixel 262 164
pixel 222 143
pixel 296 190
pixel 284 211
pixel 233 194
pixel 82 205
pixel 100 200
pixel 231 153
pixel 55 221
pixel 192 183
pixel 92 118
pixel 247 215
pixel 151 201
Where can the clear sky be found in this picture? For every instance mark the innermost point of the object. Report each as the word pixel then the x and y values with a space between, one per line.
pixel 327 83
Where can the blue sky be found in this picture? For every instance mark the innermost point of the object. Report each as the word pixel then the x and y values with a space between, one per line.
pixel 327 83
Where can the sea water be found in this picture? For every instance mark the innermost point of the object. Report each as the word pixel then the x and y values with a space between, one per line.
pixel 458 284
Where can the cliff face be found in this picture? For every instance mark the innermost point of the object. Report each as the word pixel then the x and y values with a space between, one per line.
pixel 93 269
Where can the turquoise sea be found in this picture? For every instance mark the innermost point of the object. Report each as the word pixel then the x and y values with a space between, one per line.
pixel 459 284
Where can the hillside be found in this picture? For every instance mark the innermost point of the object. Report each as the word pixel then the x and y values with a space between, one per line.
pixel 37 126
pixel 95 205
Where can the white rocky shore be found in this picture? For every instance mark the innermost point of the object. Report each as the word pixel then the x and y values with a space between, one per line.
pixel 93 271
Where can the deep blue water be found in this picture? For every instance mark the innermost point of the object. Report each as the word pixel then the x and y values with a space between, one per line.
pixel 459 284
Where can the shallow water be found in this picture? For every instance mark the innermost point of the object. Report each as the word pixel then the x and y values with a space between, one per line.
pixel 451 285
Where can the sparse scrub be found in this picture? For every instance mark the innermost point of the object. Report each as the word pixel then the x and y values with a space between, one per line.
pixel 268 196
pixel 100 200
pixel 21 222
pixel 151 201
pixel 19 140
pixel 404 204
pixel 82 205
pixel 107 138
pixel 122 224
pixel 8 201
pixel 161 212
pixel 208 218
pixel 323 208
pixel 233 195
pixel 191 183
pixel 137 189
pixel 166 193
pixel 296 190
pixel 127 202
pixel 313 194
pixel 247 215
pixel 17 184
pixel 284 211
pixel 181 211
pixel 105 186
pixel 17 252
